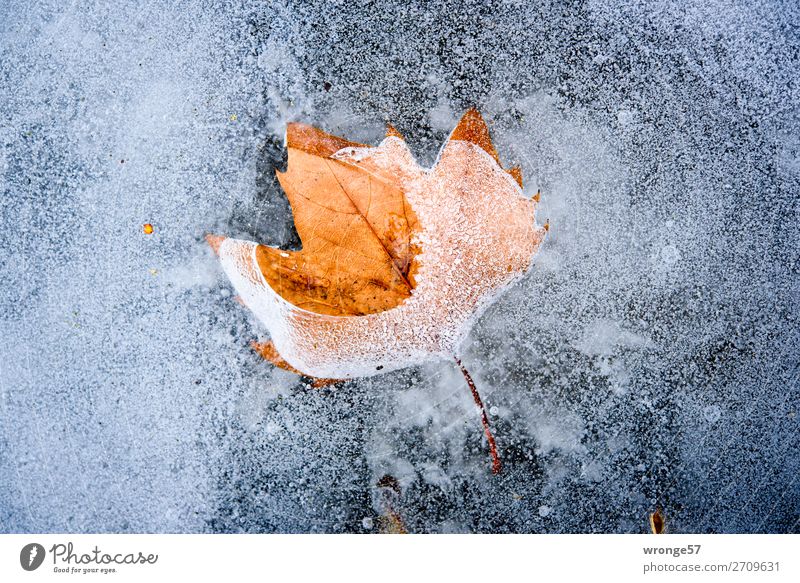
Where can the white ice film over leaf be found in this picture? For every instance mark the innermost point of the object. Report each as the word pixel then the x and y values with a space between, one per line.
pixel 477 235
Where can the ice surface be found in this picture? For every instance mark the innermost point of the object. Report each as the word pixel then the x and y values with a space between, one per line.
pixel 649 359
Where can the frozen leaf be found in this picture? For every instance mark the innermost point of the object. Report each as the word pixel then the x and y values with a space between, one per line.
pixel 397 260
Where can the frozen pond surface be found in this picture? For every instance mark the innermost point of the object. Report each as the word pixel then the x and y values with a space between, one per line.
pixel 650 358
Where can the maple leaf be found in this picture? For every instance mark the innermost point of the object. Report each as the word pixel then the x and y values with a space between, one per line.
pixel 397 261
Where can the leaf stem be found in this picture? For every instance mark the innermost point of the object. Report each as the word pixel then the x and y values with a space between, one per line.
pixel 496 465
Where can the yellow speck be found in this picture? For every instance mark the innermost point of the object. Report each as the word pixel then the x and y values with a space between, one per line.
pixel 234 117
pixel 147 228
pixel 153 271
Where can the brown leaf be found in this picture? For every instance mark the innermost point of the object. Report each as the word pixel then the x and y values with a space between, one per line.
pixel 356 229
pixel 657 522
pixel 397 260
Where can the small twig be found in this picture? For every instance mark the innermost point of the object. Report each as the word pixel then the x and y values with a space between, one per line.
pixel 496 465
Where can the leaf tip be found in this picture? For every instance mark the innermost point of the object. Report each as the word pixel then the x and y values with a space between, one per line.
pixel 268 352
pixel 314 141
pixel 472 128
pixel 391 132
pixel 657 522
pixel 215 241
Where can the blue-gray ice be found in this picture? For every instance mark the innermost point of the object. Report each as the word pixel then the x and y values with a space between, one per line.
pixel 650 358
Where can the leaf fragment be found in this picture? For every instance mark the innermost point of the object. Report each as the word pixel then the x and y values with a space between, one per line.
pixel 657 524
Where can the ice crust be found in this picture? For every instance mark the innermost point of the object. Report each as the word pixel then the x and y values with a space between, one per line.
pixel 649 358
